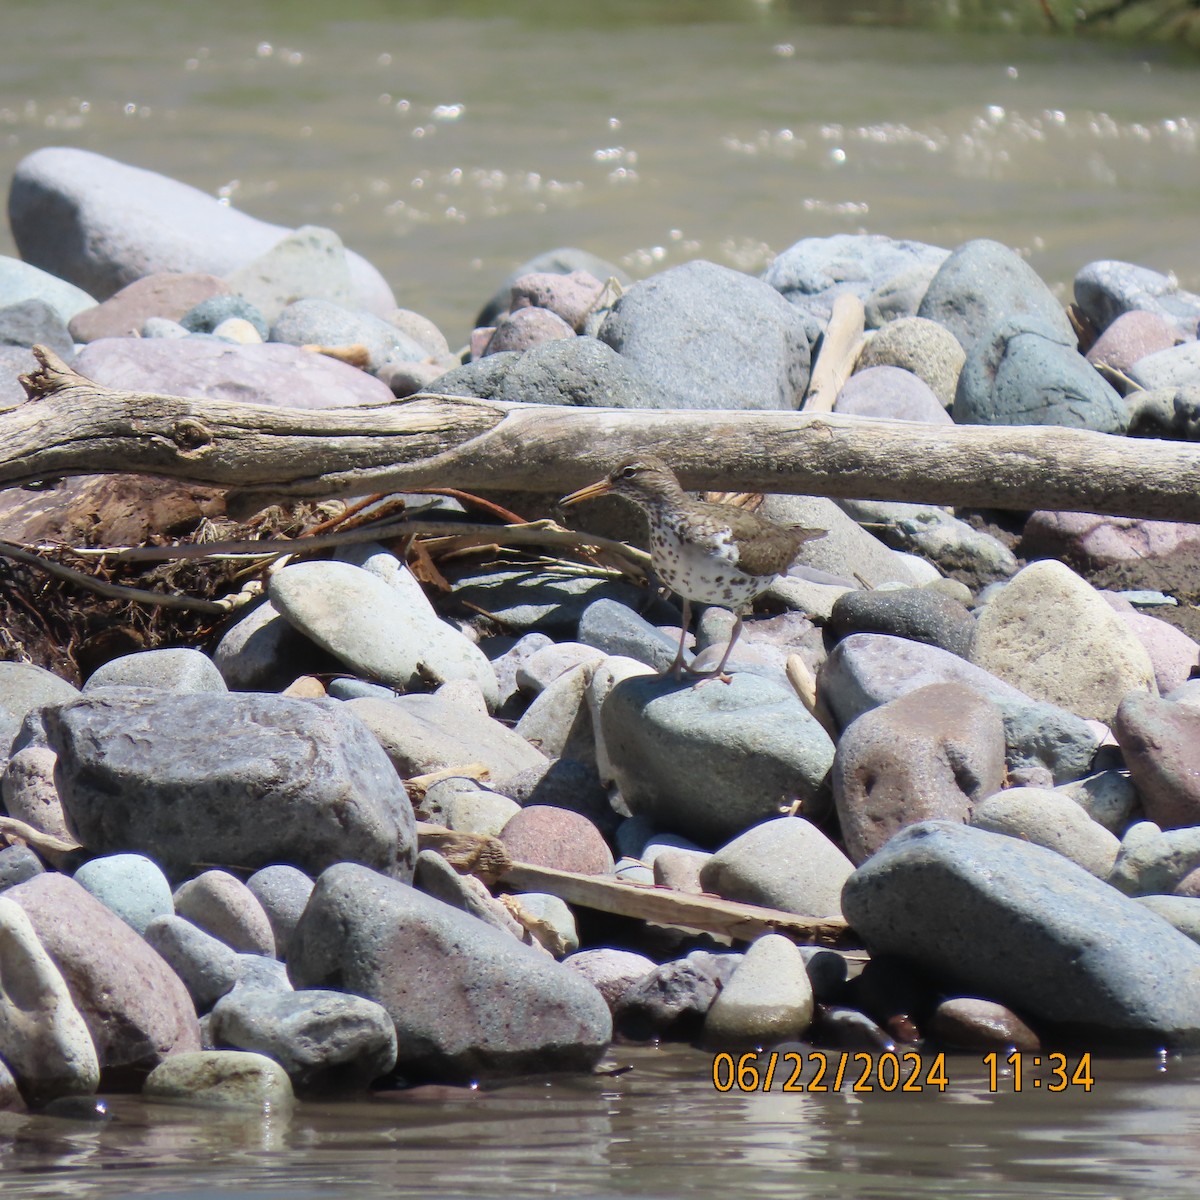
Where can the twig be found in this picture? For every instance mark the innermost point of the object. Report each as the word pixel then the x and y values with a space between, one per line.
pixel 840 348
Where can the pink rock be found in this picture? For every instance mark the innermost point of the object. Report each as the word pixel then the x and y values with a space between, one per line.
pixel 611 972
pixel 526 328
pixel 1131 336
pixel 1172 653
pixel 571 296
pixel 135 1007
pixel 479 340
pixel 167 294
pixel 556 837
pixel 893 393
pixel 1160 740
pixel 1097 540
pixel 679 869
pixel 272 374
pixel 972 1024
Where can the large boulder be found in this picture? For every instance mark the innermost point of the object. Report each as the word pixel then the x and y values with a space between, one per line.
pixel 243 779
pixel 467 1000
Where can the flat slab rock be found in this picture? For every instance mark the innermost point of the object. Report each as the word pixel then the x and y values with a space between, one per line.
pixel 467 1000
pixel 247 779
pixel 1021 925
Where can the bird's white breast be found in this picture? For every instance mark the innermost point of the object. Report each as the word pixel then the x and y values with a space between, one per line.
pixel 703 568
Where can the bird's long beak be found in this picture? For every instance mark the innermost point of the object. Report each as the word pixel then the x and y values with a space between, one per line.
pixel 600 488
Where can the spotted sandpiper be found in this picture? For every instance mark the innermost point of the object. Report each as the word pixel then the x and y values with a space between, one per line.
pixel 711 553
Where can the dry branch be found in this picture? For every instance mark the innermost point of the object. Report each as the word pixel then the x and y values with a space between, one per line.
pixel 72 426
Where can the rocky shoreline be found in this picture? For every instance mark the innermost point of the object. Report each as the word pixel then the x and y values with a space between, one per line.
pixel 214 888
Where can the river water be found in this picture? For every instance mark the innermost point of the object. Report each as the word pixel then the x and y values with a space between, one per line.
pixel 448 142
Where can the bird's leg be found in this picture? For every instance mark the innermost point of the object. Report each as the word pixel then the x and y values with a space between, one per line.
pixel 675 670
pixel 719 671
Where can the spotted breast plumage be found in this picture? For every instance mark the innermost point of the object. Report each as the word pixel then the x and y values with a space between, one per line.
pixel 710 553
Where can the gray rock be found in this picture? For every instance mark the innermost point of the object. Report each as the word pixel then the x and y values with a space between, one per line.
pixel 221 904
pixel 130 885
pixel 324 1040
pixel 208 967
pixel 29 322
pixel 245 779
pixel 1106 289
pixel 1019 924
pixel 891 393
pixel 466 1000
pixel 64 220
pixel 20 281
pixel 611 972
pixel 162 327
pixel 30 794
pixel 213 369
pixel 558 262
pixel 14 362
pixel 377 629
pixel 466 805
pixel 679 869
pixel 547 663
pixel 929 350
pixel 1046 818
pixel 1018 373
pixel 812 272
pixel 940 539
pixel 616 629
pixel 672 1000
pixel 932 754
pixel 17 864
pixel 1153 861
pixel 913 613
pixel 767 999
pixel 712 761
pixel 1108 797
pixel 43 1037
pixel 1178 367
pixel 178 669
pixel 213 311
pixel 1182 911
pixel 559 722
pixel 579 371
pixel 309 262
pixel 899 297
pixel 689 330
pixel 524 597
pixel 431 733
pixel 786 863
pixel 437 878
pixel 264 652
pixel 865 670
pixel 24 687
pixel 222 1079
pixel 258 973
pixel 525 329
pixel 324 323
pixel 283 891
pixel 983 282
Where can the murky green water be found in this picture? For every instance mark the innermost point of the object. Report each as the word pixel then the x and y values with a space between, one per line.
pixel 448 142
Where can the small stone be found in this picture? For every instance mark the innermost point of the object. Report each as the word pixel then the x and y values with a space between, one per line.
pixel 671 1000
pixel 571 297
pixel 221 904
pixel 24 687
pixel 562 261
pixel 557 838
pixel 967 1023
pixel 1131 337
pixel 544 665
pixel 916 344
pixel 30 322
pixel 323 1040
pixel 466 805
pixel 20 281
pixel 767 998
pixel 786 863
pixel 228 1079
pixel 1182 911
pixel 283 891
pixel 31 794
pixel 422 331
pixel 1108 797
pixel 210 314
pixel 891 393
pixel 526 328
pixel 680 869
pixel 324 323
pixel 130 885
pixel 206 965
pixel 559 722
pixel 615 629
pixel 17 864
pixel 178 669
pixel 1152 861
pixel 1175 368
pixel 913 613
pixel 264 652
pixel 611 972
pixel 239 330
pixel 1049 819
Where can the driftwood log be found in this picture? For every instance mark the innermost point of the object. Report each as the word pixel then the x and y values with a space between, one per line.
pixel 72 426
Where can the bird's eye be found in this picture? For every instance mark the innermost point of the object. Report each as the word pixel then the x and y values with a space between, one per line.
pixel 628 472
